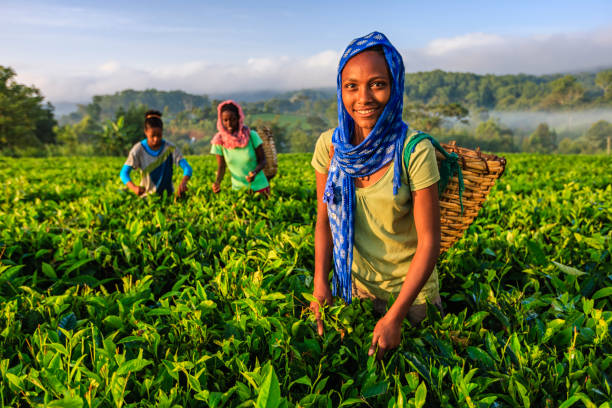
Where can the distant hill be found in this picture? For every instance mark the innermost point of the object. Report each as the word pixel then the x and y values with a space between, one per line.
pixel 173 101
pixel 489 92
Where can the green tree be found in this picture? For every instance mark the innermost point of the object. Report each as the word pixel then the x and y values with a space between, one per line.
pixel 133 119
pixel 568 146
pixel 565 91
pixel 25 121
pixel 490 135
pixel 45 123
pixel 87 131
pixel 317 124
pixel 302 142
pixel 543 140
pixel 115 138
pixel 604 81
pixel 431 117
pixel 598 134
pixel 331 113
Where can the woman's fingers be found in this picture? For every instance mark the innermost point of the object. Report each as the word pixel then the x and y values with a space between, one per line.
pixel 314 307
pixel 375 338
pixel 381 351
pixel 378 346
pixel 319 323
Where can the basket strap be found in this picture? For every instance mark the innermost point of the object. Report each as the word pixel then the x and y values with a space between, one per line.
pixel 448 167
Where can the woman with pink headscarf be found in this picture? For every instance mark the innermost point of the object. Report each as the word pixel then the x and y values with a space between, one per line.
pixel 240 149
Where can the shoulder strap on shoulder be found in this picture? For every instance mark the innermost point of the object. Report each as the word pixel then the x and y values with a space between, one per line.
pixel 413 140
pixel 448 167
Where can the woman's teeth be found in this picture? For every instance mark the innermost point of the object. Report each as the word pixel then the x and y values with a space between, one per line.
pixel 365 112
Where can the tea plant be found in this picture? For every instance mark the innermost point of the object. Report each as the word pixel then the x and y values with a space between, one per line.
pixel 108 300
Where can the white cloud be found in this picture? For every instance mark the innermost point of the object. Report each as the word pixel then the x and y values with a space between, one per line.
pixel 538 54
pixel 283 73
pixel 110 67
pixel 465 42
pixel 471 52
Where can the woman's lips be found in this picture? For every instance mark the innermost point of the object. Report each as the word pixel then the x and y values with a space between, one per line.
pixel 365 112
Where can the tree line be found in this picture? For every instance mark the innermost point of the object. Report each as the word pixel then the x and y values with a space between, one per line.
pixel 451 106
pixel 511 92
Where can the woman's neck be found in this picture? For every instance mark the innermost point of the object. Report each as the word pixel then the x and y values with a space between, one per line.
pixel 359 135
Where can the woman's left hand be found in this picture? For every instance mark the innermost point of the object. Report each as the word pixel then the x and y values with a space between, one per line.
pixel 251 176
pixel 387 335
pixel 181 189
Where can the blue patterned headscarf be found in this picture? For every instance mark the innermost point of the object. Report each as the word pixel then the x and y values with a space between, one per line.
pixel 383 144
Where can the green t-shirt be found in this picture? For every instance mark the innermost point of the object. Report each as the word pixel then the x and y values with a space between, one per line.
pixel 240 161
pixel 385 233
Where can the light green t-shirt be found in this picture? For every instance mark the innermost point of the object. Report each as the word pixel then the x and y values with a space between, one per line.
pixel 385 233
pixel 240 161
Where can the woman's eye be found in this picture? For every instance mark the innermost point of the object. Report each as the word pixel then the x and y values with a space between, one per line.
pixel 349 86
pixel 379 84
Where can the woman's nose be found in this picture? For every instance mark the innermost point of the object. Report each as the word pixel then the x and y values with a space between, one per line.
pixel 364 95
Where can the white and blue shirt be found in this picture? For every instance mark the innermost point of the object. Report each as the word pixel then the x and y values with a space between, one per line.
pixel 155 166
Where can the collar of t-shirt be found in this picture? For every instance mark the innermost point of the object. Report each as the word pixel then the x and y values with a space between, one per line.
pixel 152 152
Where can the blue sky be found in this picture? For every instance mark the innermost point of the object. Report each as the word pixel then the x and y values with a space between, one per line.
pixel 72 50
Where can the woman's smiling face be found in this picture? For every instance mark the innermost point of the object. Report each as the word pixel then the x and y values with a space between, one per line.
pixel 230 122
pixel 366 89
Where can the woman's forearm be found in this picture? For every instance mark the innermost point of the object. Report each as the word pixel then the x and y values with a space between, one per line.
pixel 419 271
pixel 220 172
pixel 323 237
pixel 323 252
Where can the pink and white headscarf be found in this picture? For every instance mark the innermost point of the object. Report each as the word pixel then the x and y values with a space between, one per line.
pixel 240 138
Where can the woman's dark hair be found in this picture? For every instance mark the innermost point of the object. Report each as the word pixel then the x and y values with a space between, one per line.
pixel 153 112
pixel 230 107
pixel 153 122
pixel 378 48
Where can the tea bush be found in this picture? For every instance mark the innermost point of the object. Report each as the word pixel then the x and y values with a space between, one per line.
pixel 109 300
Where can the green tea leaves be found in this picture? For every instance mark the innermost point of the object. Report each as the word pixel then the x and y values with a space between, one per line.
pixel 269 391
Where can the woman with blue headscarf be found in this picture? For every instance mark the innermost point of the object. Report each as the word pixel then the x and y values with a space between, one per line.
pixel 378 219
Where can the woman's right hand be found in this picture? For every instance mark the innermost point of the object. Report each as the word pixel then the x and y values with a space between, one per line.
pixel 216 187
pixel 322 293
pixel 138 190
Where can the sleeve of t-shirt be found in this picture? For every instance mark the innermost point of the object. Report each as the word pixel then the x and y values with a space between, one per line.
pixel 256 139
pixel 187 170
pixel 320 158
pixel 133 159
pixel 216 149
pixel 423 167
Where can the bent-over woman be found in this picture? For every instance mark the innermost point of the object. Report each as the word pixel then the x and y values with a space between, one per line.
pixel 378 220
pixel 239 149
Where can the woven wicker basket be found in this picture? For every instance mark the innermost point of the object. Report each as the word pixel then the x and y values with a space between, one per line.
pixel 269 148
pixel 480 171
